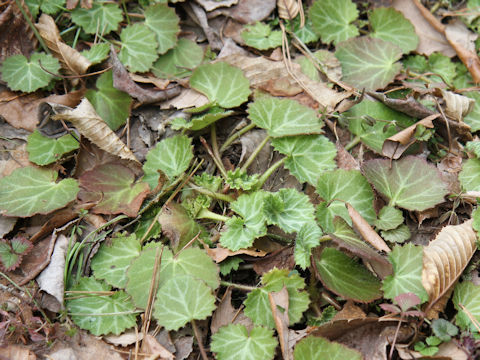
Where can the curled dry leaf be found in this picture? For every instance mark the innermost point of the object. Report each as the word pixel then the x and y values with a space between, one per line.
pixel 279 300
pixel 90 125
pixel 287 9
pixel 457 106
pixel 396 145
pixel 72 61
pixel 444 260
pixel 219 253
pixel 364 228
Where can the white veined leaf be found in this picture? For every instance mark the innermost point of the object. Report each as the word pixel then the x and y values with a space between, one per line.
pixel 163 21
pixel 139 48
pixel 102 18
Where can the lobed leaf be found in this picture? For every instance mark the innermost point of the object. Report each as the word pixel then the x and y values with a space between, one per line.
pixel 12 251
pixel 389 218
pixel 97 53
pixel 398 235
pixel 307 238
pixel 28 191
pixel 163 21
pixel 410 183
pixel 261 36
pixel 101 18
pixel 139 48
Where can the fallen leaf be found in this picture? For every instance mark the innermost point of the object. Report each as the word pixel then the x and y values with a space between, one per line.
pixel 248 11
pixel 457 106
pixel 279 306
pixel 397 144
pixel 70 59
pixel 444 260
pixel 129 337
pixel 6 225
pixel 16 352
pixel 349 311
pixel 367 232
pixel 287 9
pixel 281 259
pixel 210 5
pixel 220 253
pixel 152 347
pixel 188 98
pixel 225 312
pixel 345 160
pixel 90 125
pixel 408 106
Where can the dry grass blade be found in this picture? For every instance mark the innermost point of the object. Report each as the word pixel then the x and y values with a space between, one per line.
pixel 444 260
pixel 287 9
pixel 72 61
pixel 90 125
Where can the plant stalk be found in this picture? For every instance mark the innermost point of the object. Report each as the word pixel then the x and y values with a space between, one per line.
pixel 207 214
pixel 255 153
pixel 237 286
pixel 215 195
pixel 235 136
pixel 355 141
pixel 30 24
pixel 269 172
pixel 199 340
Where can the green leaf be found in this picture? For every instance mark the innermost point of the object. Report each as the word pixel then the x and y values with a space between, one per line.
pixel 307 238
pixel 28 75
pixel 102 18
pixel 398 235
pixel 182 299
pixel 315 347
pixel 28 191
pixel 12 251
pixel 112 260
pixel 346 277
pixel 390 25
pixel 284 117
pixel 368 63
pixel 163 21
pixel 468 177
pixel 234 342
pixel 257 305
pixel 230 264
pixel 43 150
pixel 444 329
pixel 139 48
pixel 473 147
pixel 221 83
pixel 241 232
pixel 113 187
pixel 52 7
pixel 437 63
pixel 261 36
pixel 112 105
pixel 473 117
pixel 101 314
pixel 288 209
pixel 389 218
pixel 467 294
pixel 33 7
pixel 306 33
pixel 192 261
pixel 97 53
pixel 410 183
pixel 239 179
pixel 407 264
pixel 332 18
pixel 172 156
pixel 374 122
pixel 179 61
pixel 307 155
pixel 343 185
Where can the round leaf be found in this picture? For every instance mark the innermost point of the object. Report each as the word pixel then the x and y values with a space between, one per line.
pixel 332 18
pixel 28 191
pixel 163 21
pixel 221 83
pixel 139 48
pixel 101 314
pixel 368 63
pixel 346 277
pixel 182 299
pixel 28 75
pixel 390 25
pixel 234 342
pixel 43 150
pixel 314 347
pixel 101 18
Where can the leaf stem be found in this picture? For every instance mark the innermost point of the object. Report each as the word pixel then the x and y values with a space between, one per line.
pixel 199 341
pixel 269 172
pixel 255 153
pixel 237 286
pixel 215 195
pixel 217 161
pixel 216 154
pixel 30 24
pixel 207 214
pixel 235 136
pixel 356 140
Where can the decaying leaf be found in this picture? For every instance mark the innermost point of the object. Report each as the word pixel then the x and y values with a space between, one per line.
pixel 287 9
pixel 279 306
pixel 444 260
pixel 457 106
pixel 396 145
pixel 90 125
pixel 72 61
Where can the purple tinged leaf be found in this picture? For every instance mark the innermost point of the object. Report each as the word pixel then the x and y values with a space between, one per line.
pixel 407 301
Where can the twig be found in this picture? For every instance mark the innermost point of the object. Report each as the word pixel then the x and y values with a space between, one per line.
pixel 30 24
pixel 199 340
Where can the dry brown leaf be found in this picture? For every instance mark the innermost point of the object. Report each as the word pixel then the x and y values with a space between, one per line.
pixel 445 258
pixel 152 347
pixel 70 59
pixel 287 9
pixel 188 98
pixel 279 306
pixel 219 253
pixel 364 228
pixel 350 311
pixel 90 125
pixel 126 338
pixel 16 352
pixel 260 71
pixel 408 106
pixel 396 145
pixel 457 106
pixel 210 5
pixel 247 11
pixel 430 40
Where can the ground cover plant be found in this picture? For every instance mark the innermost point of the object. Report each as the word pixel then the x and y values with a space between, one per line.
pixel 239 179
